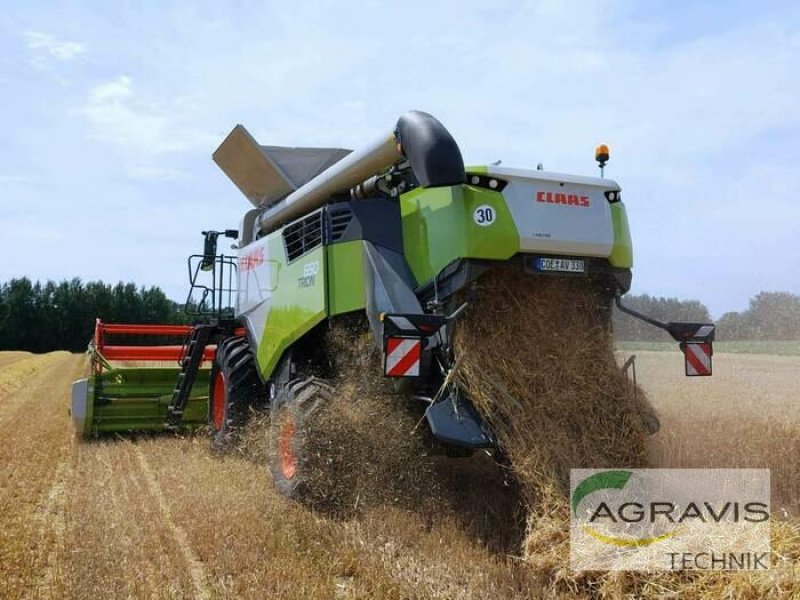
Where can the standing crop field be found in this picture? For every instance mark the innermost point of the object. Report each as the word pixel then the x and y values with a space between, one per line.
pixel 166 517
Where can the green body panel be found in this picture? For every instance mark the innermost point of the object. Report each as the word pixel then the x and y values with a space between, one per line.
pixel 622 254
pixel 438 228
pixel 298 302
pixel 345 277
pixel 136 399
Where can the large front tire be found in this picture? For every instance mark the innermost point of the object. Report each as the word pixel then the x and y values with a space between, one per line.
pixel 234 388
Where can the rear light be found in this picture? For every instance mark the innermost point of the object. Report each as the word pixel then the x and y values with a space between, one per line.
pixel 405 337
pixel 486 181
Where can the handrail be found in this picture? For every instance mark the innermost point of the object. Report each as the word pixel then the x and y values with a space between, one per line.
pixel 219 287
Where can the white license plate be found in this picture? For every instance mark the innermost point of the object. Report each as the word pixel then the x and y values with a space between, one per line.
pixel 563 265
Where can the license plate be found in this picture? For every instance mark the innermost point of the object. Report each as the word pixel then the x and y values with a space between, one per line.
pixel 563 265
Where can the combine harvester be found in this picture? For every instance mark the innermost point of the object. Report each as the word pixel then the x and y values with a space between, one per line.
pixel 390 235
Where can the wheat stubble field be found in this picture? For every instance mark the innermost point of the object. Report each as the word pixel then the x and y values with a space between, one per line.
pixel 165 517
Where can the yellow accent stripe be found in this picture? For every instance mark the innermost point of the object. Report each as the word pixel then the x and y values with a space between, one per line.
pixel 615 541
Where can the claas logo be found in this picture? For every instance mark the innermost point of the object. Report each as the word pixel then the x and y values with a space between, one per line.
pixel 558 198
pixel 248 262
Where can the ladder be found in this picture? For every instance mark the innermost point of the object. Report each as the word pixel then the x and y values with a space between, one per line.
pixel 190 365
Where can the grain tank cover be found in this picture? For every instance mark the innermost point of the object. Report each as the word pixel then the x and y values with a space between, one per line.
pixel 266 174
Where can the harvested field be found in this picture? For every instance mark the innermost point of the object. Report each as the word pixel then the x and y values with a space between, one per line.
pixel 7 358
pixel 165 517
pixel 745 416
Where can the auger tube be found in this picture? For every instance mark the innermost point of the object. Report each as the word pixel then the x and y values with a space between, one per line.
pixel 348 172
pixel 432 153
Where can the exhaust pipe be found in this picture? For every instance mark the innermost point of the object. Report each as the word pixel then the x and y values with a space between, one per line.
pixel 432 153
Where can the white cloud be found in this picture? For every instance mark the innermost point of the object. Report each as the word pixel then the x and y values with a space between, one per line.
pixel 52 46
pixel 117 115
pixel 112 91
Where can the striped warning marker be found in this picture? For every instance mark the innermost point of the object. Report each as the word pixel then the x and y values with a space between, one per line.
pixel 698 358
pixel 402 356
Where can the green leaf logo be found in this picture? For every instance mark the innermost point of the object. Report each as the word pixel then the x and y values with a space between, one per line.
pixel 599 481
pixel 615 480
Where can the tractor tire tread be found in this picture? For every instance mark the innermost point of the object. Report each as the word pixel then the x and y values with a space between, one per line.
pixel 303 397
pixel 242 385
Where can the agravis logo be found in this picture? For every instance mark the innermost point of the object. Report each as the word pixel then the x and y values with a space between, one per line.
pixel 669 518
pixel 606 480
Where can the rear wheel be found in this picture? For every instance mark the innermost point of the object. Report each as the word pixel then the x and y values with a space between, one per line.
pixel 234 388
pixel 341 438
pixel 294 460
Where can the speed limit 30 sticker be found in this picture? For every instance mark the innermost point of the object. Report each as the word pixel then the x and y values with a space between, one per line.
pixel 484 215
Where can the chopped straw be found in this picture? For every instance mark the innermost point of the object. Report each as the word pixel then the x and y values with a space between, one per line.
pixel 536 357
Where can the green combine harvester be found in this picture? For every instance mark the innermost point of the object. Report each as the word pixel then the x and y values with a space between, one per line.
pixel 387 235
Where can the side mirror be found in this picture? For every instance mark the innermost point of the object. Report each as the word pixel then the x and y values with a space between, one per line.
pixel 209 250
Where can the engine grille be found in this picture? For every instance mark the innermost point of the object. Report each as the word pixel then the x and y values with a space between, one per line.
pixel 303 236
pixel 339 217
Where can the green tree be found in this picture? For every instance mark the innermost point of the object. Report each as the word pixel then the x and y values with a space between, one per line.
pixel 51 316
pixel 770 316
pixel 18 324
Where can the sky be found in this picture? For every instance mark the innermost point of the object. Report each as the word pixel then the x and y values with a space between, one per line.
pixel 111 110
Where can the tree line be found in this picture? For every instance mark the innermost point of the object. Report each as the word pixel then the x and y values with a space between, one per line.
pixel 40 317
pixel 769 316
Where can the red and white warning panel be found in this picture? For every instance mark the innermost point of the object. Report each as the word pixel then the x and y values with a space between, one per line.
pixel 698 358
pixel 403 356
